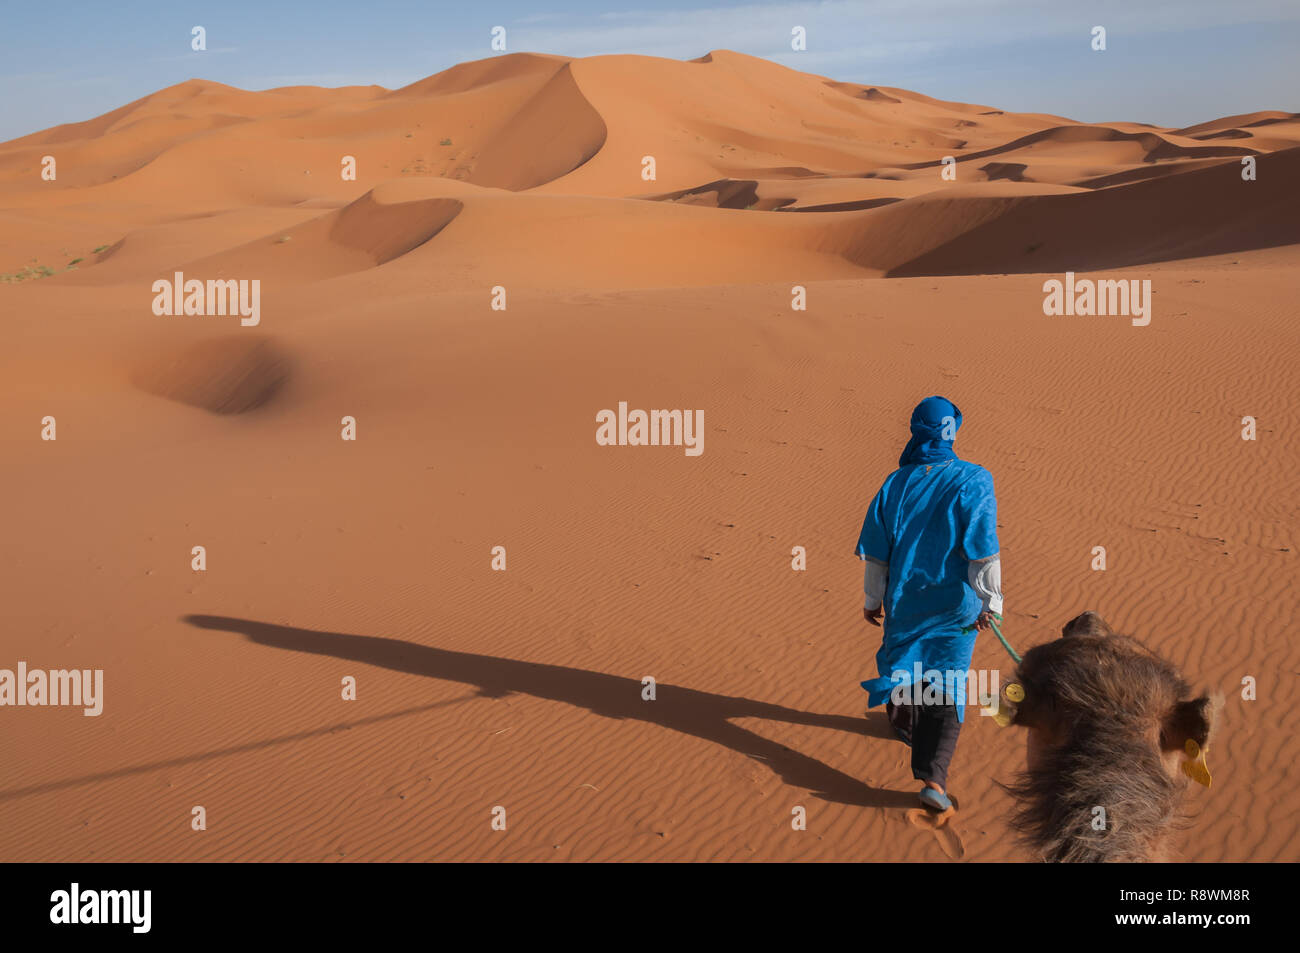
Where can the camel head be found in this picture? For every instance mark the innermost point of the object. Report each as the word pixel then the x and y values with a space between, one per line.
pixel 1114 732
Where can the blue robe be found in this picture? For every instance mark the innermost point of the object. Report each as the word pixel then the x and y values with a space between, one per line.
pixel 932 516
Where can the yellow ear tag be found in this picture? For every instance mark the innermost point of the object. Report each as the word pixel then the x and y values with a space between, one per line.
pixel 1002 714
pixel 1196 768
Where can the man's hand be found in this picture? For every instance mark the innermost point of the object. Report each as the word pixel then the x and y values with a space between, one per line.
pixel 984 623
pixel 872 615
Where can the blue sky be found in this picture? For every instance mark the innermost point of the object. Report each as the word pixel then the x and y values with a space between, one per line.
pixel 1168 62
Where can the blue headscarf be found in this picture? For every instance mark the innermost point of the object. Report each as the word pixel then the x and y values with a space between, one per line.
pixel 931 418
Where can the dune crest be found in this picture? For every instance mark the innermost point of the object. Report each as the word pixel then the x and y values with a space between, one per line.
pixel 554 133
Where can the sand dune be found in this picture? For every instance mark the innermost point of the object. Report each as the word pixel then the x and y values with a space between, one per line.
pixel 1208 211
pixel 371 558
pixel 384 224
pixel 556 132
pixel 1263 117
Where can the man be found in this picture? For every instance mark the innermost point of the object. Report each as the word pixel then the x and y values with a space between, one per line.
pixel 931 547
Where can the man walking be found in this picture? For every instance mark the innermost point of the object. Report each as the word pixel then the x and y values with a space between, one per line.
pixel 931 549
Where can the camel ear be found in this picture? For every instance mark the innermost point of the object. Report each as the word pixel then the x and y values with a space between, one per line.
pixel 1189 720
pixel 1187 727
pixel 1086 623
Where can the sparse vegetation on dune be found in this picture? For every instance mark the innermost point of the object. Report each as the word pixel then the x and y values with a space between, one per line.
pixel 37 270
pixel 28 272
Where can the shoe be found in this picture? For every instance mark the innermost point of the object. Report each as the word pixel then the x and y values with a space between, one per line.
pixel 935 800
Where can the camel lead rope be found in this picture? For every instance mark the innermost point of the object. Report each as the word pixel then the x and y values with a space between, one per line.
pixel 1013 691
pixel 1003 639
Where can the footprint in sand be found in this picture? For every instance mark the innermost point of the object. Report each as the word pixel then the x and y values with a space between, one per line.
pixel 943 828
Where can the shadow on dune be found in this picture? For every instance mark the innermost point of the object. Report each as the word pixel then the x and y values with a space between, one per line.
pixel 182 760
pixel 227 375
pixel 702 715
pixel 1207 211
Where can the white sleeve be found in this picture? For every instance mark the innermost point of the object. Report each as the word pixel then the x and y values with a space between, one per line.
pixel 874 582
pixel 985 577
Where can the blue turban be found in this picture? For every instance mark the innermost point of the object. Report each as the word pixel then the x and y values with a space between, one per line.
pixel 931 434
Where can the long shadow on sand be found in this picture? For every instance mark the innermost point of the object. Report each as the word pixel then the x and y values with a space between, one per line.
pixel 181 761
pixel 700 714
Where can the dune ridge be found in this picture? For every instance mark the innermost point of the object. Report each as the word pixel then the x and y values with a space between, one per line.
pixel 744 135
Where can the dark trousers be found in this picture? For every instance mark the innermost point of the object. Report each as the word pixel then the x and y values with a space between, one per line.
pixel 931 732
